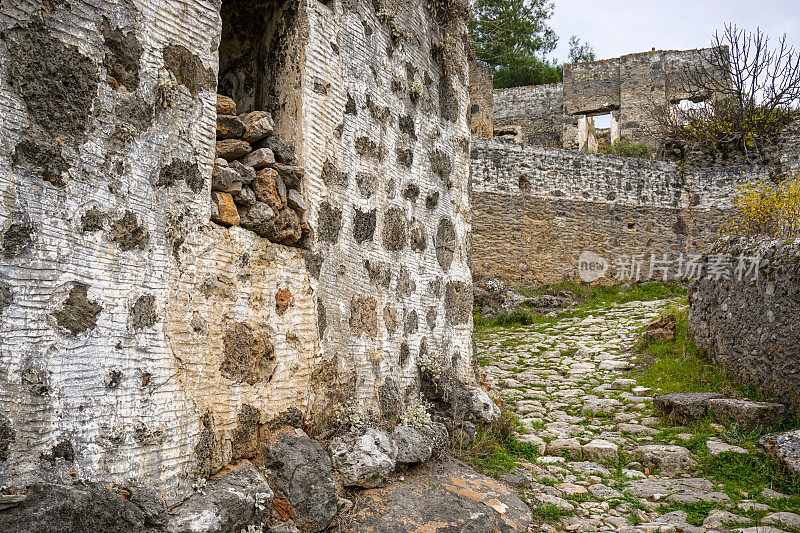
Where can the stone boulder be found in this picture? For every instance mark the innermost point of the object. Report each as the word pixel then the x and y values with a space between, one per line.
pixel 684 407
pixel 300 472
pixel 364 460
pixel 225 504
pixel 749 415
pixel 413 445
pixel 668 459
pixel 442 495
pixel 785 447
pixel 663 329
pixel 66 509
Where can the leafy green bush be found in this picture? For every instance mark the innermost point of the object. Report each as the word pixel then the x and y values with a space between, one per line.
pixel 625 148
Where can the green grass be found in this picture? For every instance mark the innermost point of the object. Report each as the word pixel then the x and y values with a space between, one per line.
pixel 679 366
pixel 495 449
pixel 590 299
pixel 549 512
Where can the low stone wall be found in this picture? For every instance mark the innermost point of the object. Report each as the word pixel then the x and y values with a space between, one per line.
pixel 536 209
pixel 750 326
pixel 537 110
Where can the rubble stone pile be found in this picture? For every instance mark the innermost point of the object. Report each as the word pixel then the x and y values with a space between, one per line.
pixel 255 182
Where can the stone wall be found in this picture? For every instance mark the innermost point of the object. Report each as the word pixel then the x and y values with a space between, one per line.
pixel 626 87
pixel 536 209
pixel 749 326
pixel 481 101
pixel 536 110
pixel 143 343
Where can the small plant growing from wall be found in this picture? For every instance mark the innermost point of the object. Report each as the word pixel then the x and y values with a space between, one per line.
pixel 429 366
pixel 417 416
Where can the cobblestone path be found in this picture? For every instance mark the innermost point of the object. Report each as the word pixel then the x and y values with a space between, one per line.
pixel 602 467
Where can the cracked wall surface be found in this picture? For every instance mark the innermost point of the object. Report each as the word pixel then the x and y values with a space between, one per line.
pixel 142 343
pixel 536 209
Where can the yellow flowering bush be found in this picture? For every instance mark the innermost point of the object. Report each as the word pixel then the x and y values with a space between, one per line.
pixel 762 207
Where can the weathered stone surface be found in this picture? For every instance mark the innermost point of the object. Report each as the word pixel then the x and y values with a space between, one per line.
pixel 663 329
pixel 790 521
pixel 248 354
pixel 666 458
pixel 257 125
pixel 601 451
pixel 684 407
pixel 259 158
pixel 229 127
pixel 290 175
pixel 716 447
pixel 749 415
pixel 441 496
pixel 748 324
pixel 561 447
pixel 225 504
pixel 55 80
pixel 288 229
pixel 67 509
pixel 785 447
pixel 225 179
pixel 300 472
pixel 260 219
pixel 296 201
pixel 225 105
pixel 647 488
pixel 78 313
pixel 364 460
pixel 230 149
pixel 247 174
pixel 224 209
pixel 282 149
pixel 413 445
pixel 266 189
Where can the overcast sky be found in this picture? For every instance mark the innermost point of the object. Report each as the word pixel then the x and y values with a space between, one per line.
pixel 615 27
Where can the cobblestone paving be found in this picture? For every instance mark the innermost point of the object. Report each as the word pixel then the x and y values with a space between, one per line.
pixel 595 430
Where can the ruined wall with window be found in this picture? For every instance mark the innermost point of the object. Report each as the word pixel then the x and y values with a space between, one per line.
pixel 627 88
pixel 536 209
pixel 154 317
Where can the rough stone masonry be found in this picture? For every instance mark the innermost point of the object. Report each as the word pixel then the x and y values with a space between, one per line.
pixel 143 343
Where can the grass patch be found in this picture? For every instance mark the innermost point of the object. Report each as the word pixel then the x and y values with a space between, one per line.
pixel 549 512
pixel 495 449
pixel 680 366
pixel 590 298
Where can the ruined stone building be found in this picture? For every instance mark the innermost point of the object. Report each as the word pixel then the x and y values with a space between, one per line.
pixel 540 196
pixel 625 89
pixel 150 326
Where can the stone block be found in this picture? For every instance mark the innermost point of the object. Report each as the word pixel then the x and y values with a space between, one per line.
pixel 785 447
pixel 229 127
pixel 364 460
pixel 257 125
pixel 225 179
pixel 684 407
pixel 224 209
pixel 296 201
pixel 259 158
pixel 266 190
pixel 668 459
pixel 601 450
pixel 230 149
pixel 749 415
pixel 225 105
